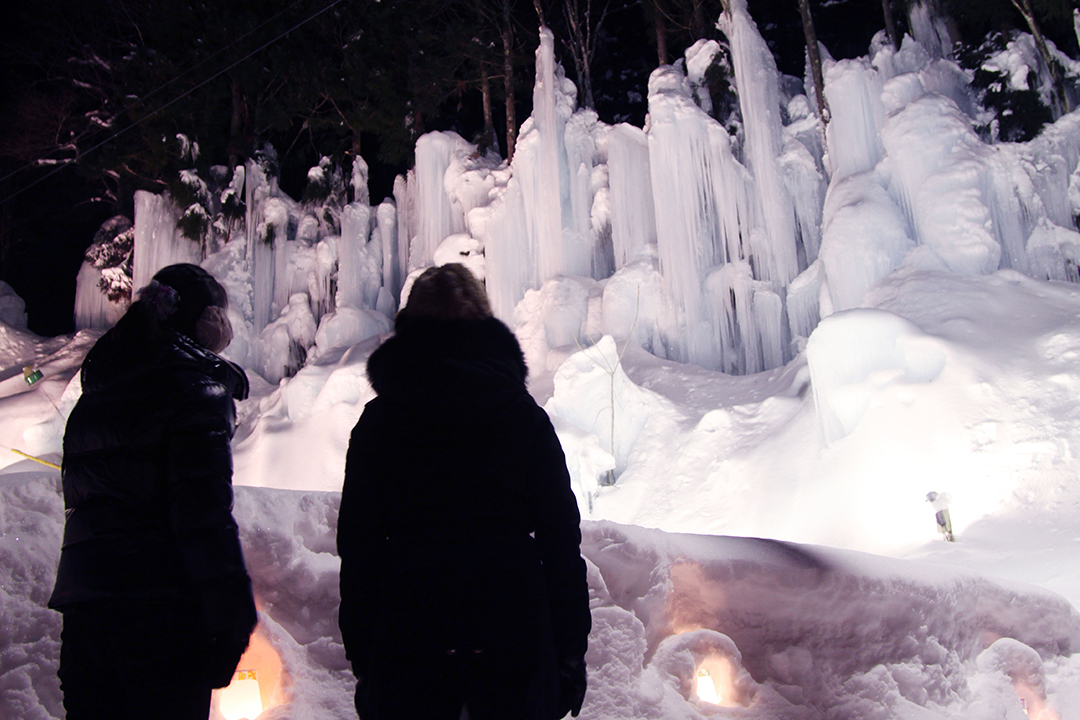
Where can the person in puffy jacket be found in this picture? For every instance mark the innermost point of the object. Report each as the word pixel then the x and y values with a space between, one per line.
pixel 463 590
pixel 156 600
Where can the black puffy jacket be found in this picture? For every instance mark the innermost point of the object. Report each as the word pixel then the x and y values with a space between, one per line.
pixel 147 479
pixel 458 529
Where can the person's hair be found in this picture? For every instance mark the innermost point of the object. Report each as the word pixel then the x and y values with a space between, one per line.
pixel 176 298
pixel 447 292
pixel 195 290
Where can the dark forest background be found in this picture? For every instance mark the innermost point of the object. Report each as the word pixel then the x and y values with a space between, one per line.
pixel 94 94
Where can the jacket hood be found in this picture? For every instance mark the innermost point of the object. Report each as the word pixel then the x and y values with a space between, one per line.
pixel 124 357
pixel 426 352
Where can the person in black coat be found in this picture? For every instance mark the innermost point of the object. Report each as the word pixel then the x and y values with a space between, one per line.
pixel 156 599
pixel 462 584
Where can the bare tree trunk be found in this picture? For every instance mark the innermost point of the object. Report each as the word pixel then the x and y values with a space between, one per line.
pixel 890 24
pixel 485 91
pixel 814 56
pixel 540 13
pixel 236 123
pixel 507 33
pixel 1024 6
pixel 661 36
pixel 697 20
pixel 580 47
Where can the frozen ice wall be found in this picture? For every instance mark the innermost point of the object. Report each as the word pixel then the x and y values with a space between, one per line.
pixel 290 269
pixel 728 248
pixel 93 309
pixel 158 242
pixel 718 262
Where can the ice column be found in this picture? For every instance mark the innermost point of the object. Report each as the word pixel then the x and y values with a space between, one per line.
pixel 756 78
pixel 686 220
pixel 929 30
pixel 360 180
pixel 509 253
pixel 355 225
pixel 93 309
pixel 405 200
pixel 157 241
pixel 388 237
pixel 257 188
pixel 547 174
pixel 437 219
pixel 853 89
pixel 633 219
pixel 541 227
pixel 580 256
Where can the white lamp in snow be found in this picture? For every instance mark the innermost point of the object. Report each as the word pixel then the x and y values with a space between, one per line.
pixel 260 684
pixel 705 687
pixel 241 700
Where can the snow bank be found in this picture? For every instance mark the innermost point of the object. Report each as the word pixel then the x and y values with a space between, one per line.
pixel 763 629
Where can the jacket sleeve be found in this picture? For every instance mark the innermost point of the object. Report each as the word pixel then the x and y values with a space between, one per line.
pixel 199 487
pixel 558 536
pixel 350 536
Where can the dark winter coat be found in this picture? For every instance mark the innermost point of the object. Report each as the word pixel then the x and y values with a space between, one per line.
pixel 458 530
pixel 147 479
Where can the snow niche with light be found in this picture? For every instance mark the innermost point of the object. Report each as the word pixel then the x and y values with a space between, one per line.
pixel 706 668
pixel 260 683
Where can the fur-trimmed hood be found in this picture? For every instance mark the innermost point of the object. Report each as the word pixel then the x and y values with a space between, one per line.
pixel 426 354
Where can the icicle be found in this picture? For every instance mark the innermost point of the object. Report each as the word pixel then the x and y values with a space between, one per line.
pixel 853 89
pixel 437 218
pixel 547 176
pixel 388 238
pixel 687 235
pixel 757 81
pixel 93 309
pixel 355 225
pixel 360 180
pixel 633 220
pixel 157 241
pixel 769 319
pixel 803 301
pixel 405 200
pixel 929 30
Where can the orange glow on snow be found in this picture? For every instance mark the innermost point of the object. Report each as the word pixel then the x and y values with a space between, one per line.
pixel 259 684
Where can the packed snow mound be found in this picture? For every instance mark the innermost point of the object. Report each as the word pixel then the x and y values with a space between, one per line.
pixel 684 626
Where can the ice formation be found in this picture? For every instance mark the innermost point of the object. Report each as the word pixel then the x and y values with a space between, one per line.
pixel 724 250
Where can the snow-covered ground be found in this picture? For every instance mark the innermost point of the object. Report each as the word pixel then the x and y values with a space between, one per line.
pixel 806 577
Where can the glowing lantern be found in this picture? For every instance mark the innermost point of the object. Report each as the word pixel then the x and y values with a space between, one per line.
pixel 715 681
pixel 241 699
pixel 260 684
pixel 705 687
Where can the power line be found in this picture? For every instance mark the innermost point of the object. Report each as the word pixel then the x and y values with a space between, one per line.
pixel 178 98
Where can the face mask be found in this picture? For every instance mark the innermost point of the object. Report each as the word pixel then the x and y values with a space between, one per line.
pixel 213 330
